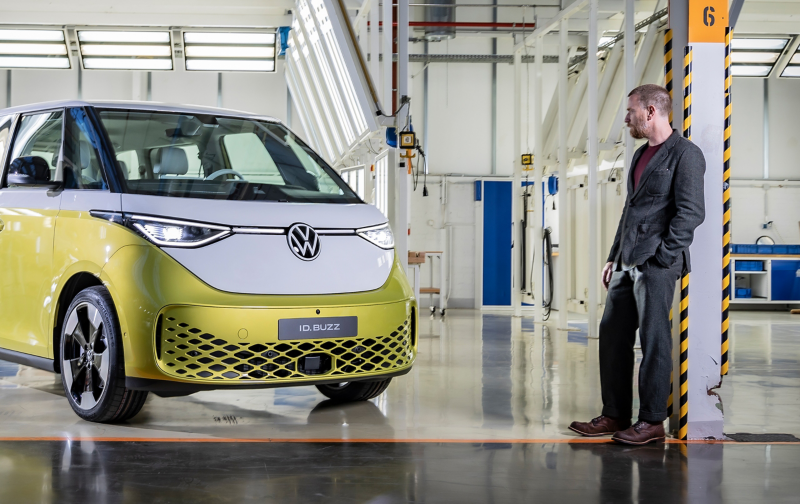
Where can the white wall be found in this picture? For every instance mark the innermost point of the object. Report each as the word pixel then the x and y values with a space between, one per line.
pixel 747 160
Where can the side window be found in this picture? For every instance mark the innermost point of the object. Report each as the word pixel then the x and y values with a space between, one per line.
pixel 39 136
pixel 82 168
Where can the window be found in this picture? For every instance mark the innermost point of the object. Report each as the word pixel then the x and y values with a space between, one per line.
pixel 219 157
pixel 382 184
pixel 39 135
pixel 354 176
pixel 82 169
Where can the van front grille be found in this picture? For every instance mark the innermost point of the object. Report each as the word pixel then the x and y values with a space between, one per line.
pixel 189 352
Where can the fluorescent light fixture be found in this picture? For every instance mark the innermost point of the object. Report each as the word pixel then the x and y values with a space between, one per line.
pixel 750 70
pixel 228 38
pixel 131 37
pixel 33 49
pixel 126 50
pixel 230 52
pixel 768 58
pixel 127 63
pixel 795 59
pixel 32 35
pixel 763 44
pixel 791 71
pixel 230 65
pixel 33 62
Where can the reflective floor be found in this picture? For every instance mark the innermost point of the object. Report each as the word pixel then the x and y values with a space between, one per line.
pixel 482 417
pixel 477 377
pixel 387 473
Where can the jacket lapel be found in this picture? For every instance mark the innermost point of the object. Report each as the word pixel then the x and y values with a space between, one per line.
pixel 657 159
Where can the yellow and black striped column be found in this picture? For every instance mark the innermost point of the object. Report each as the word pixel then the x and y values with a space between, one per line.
pixel 683 429
pixel 726 206
pixel 668 86
pixel 668 66
pixel 684 360
pixel 687 92
pixel 669 398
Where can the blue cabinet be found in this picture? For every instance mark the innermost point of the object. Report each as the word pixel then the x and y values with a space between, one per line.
pixel 785 280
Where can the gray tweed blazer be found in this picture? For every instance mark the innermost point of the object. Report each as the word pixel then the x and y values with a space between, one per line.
pixel 660 216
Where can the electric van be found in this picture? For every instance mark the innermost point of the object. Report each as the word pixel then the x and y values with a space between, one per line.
pixel 173 249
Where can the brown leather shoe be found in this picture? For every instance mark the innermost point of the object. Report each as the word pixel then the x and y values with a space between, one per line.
pixel 600 426
pixel 640 433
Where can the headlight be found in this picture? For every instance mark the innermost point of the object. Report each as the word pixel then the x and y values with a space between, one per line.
pixel 378 235
pixel 174 233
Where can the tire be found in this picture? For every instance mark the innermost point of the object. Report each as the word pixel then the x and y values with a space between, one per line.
pixel 354 391
pixel 102 396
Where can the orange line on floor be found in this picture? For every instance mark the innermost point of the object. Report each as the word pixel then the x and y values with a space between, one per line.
pixel 366 440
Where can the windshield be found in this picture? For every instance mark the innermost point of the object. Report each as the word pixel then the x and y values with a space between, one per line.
pixel 218 157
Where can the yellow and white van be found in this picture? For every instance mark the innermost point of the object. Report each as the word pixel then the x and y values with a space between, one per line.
pixel 148 247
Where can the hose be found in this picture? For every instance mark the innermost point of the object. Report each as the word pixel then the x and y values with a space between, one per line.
pixel 547 244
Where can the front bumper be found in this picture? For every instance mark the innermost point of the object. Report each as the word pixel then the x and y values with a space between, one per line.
pixel 181 335
pixel 208 344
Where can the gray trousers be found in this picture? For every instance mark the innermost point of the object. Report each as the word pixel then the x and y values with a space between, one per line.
pixel 639 298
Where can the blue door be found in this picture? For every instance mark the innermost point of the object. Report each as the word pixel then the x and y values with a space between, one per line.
pixel 497 243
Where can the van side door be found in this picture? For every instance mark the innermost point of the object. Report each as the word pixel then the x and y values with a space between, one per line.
pixel 28 214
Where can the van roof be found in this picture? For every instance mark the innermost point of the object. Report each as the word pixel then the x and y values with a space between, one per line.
pixel 134 105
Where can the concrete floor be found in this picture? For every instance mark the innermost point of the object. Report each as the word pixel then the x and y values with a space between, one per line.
pixel 486 408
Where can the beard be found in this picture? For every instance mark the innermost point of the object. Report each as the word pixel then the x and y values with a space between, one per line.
pixel 637 132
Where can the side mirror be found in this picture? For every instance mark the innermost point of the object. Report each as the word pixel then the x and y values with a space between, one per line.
pixel 29 170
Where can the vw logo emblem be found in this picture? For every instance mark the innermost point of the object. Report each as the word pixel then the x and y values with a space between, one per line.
pixel 303 241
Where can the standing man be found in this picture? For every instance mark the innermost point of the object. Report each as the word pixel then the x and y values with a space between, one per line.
pixel 665 204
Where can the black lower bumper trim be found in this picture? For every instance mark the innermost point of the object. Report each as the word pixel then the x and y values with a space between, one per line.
pixel 168 388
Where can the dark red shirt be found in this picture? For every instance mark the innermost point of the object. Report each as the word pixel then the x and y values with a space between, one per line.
pixel 645 158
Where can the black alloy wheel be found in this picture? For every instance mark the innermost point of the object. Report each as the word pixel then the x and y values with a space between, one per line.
pixel 92 362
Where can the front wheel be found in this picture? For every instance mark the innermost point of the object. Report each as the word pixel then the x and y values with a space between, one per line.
pixel 354 391
pixel 92 363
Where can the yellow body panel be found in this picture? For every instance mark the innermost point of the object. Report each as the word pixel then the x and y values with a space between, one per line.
pixel 26 254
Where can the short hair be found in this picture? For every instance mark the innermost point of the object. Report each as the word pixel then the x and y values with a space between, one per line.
pixel 653 95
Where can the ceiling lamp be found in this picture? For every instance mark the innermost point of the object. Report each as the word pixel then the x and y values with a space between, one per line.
pixel 125 50
pixel 792 69
pixel 33 49
pixel 755 57
pixel 230 52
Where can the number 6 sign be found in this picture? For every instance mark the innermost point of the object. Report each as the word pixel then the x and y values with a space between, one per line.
pixel 707 20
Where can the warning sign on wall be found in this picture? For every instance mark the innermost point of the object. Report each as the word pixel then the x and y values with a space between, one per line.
pixel 707 20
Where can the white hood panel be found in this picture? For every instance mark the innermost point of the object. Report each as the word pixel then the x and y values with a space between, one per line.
pixel 259 264
pixel 255 213
pixel 264 264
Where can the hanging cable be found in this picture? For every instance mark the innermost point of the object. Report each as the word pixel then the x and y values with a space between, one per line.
pixel 548 262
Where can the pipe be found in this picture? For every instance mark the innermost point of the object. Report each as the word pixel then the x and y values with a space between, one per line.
pixel 487 6
pixel 563 220
pixel 593 148
pixel 463 24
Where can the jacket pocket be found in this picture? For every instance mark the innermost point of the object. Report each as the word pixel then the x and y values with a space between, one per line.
pixel 659 182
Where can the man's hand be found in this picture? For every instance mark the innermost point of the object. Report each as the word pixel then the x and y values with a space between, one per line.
pixel 607 272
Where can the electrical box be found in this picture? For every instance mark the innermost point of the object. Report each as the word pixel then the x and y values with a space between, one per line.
pixel 527 159
pixel 408 140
